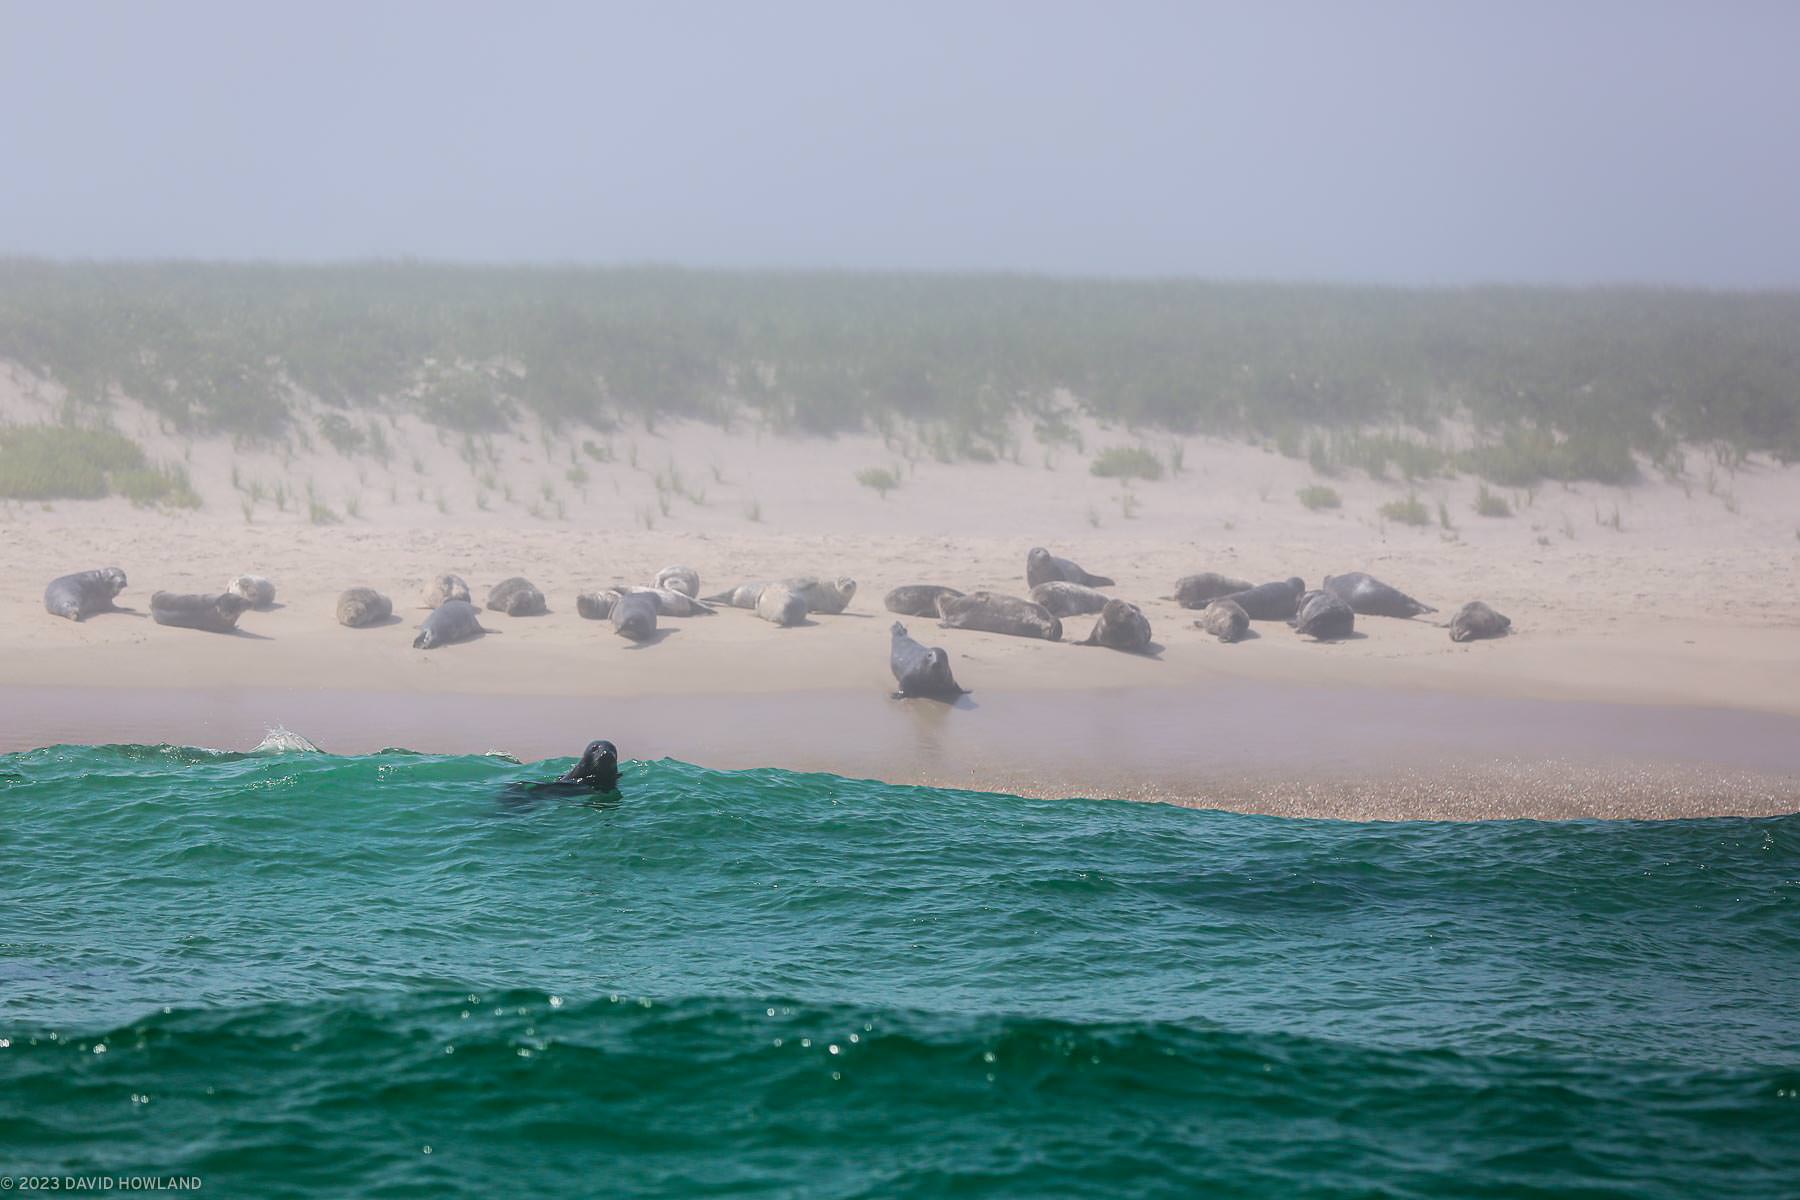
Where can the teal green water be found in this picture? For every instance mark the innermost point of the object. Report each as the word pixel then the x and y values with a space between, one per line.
pixel 322 976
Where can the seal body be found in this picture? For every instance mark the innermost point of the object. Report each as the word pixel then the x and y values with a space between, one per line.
pixel 1476 620
pixel 595 606
pixel 671 603
pixel 1068 599
pixel 1373 598
pixel 1122 626
pixel 254 588
pixel 1270 601
pixel 781 604
pixel 916 599
pixel 445 588
pixel 1225 620
pixel 685 580
pixel 1041 566
pixel 360 606
pixel 598 767
pixel 214 614
pixel 1324 616
pixel 84 593
pixel 744 595
pixel 920 670
pixel 823 595
pixel 633 616
pixel 451 621
pixel 516 597
pixel 992 612
pixel 1197 591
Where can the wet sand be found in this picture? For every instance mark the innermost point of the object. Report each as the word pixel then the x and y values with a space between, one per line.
pixel 1352 753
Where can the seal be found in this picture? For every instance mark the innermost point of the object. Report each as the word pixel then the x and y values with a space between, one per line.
pixel 1225 620
pixel 685 580
pixel 254 588
pixel 920 670
pixel 916 599
pixel 742 596
pixel 822 595
pixel 1197 591
pixel 597 770
pixel 781 604
pixel 214 614
pixel 1476 620
pixel 991 612
pixel 516 597
pixel 633 616
pixel 445 588
pixel 595 606
pixel 1270 601
pixel 84 593
pixel 451 621
pixel 1041 566
pixel 1068 599
pixel 671 603
pixel 1373 598
pixel 360 606
pixel 1324 617
pixel 1122 626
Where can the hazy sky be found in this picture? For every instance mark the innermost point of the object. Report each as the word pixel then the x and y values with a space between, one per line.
pixel 1575 141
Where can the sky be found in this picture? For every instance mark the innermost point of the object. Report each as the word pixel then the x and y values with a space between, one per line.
pixel 1409 143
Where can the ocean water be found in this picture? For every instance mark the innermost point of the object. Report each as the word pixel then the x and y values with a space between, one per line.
pixel 297 974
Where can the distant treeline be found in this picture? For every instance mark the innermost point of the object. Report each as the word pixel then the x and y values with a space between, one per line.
pixel 1558 382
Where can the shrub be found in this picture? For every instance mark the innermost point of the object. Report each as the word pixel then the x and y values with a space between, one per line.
pixel 1488 504
pixel 1410 511
pixel 344 437
pixel 1126 462
pixel 879 478
pixel 56 462
pixel 1316 496
pixel 150 486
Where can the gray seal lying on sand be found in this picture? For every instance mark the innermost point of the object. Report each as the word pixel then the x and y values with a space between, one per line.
pixel 823 595
pixel 516 597
pixel 595 606
pixel 1476 620
pixel 1068 599
pixel 1197 591
pixel 1122 626
pixel 920 670
pixel 633 615
pixel 742 596
pixel 360 606
pixel 991 612
pixel 1270 601
pixel 685 580
pixel 1041 566
pixel 598 605
pixel 1373 598
pixel 214 614
pixel 781 604
pixel 451 621
pixel 445 588
pixel 916 599
pixel 84 593
pixel 254 588
pixel 1324 616
pixel 1225 620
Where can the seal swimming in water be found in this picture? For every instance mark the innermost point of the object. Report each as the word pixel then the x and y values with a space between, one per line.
pixel 360 606
pixel 781 604
pixel 685 580
pixel 633 615
pixel 991 612
pixel 1324 616
pixel 920 670
pixel 1041 566
pixel 1066 599
pixel 1270 601
pixel 1373 598
pixel 1224 619
pixel 916 599
pixel 1476 620
pixel 597 770
pixel 214 614
pixel 84 593
pixel 254 588
pixel 444 588
pixel 1122 626
pixel 823 595
pixel 451 621
pixel 1197 591
pixel 516 597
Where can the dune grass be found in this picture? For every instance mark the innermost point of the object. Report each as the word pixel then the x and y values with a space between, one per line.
pixel 1410 511
pixel 61 462
pixel 1126 462
pixel 881 479
pixel 1317 496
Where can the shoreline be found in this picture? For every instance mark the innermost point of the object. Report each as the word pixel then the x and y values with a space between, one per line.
pixel 1274 748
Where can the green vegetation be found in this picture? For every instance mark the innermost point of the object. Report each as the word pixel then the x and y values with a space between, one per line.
pixel 61 462
pixel 148 486
pixel 1557 384
pixel 1410 511
pixel 879 478
pixel 1126 462
pixel 1316 496
pixel 1487 504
